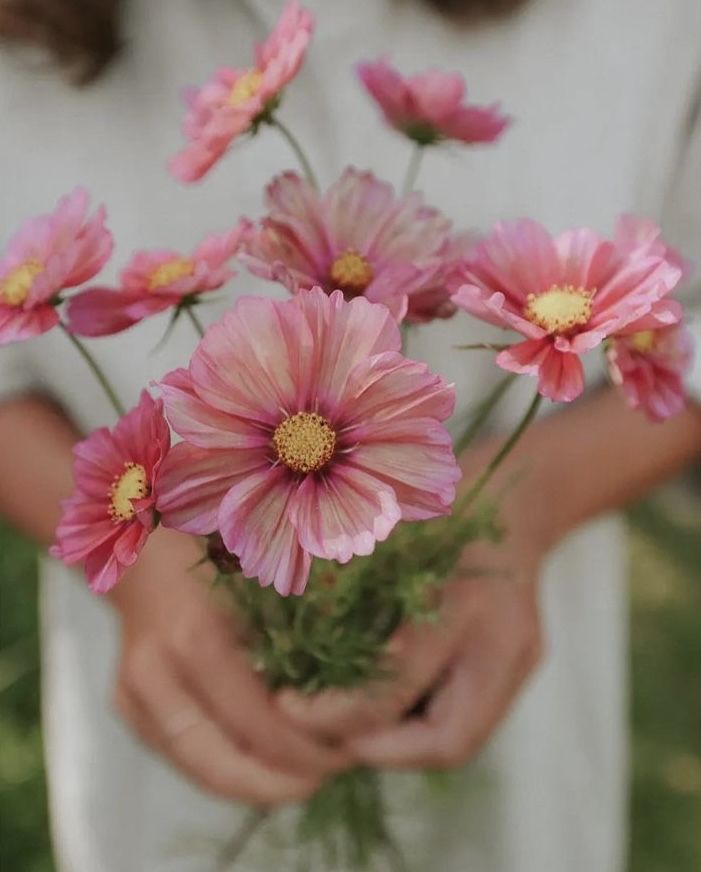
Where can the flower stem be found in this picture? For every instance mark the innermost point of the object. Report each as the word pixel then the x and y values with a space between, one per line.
pixel 196 323
pixel 471 495
pixel 96 370
pixel 482 413
pixel 297 149
pixel 233 849
pixel 412 170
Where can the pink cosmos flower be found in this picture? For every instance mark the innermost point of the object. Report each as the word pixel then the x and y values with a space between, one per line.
pixel 306 433
pixel 357 238
pixel 565 294
pixel 236 100
pixel 48 254
pixel 430 107
pixel 154 281
pixel 107 520
pixel 649 366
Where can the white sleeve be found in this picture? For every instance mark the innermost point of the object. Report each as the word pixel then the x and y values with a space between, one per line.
pixel 682 227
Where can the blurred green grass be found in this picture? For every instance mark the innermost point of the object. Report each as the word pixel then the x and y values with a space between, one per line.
pixel 666 697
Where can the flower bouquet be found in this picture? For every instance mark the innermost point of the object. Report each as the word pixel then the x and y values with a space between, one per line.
pixel 313 457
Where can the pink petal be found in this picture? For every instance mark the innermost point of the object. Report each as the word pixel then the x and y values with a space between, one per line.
pixel 98 312
pixel 244 364
pixel 17 325
pixel 387 387
pixel 202 424
pixel 343 334
pixel 255 525
pixel 343 513
pixel 415 458
pixel 192 483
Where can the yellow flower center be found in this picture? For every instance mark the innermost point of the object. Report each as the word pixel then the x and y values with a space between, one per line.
pixel 15 288
pixel 132 484
pixel 560 309
pixel 643 342
pixel 170 272
pixel 304 442
pixel 246 87
pixel 351 273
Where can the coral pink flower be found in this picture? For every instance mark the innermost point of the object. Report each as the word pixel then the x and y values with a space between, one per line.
pixel 357 238
pixel 430 107
pixel 564 294
pixel 48 254
pixel 154 281
pixel 649 366
pixel 306 433
pixel 107 520
pixel 235 101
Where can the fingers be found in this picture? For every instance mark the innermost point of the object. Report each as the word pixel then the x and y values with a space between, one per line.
pixel 169 718
pixel 220 676
pixel 465 709
pixel 417 656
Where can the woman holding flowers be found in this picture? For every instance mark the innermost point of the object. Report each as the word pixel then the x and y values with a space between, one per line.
pixel 590 141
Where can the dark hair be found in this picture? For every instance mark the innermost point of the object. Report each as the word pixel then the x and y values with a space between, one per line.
pixel 83 35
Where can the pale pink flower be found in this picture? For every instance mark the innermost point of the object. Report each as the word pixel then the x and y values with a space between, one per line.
pixel 359 238
pixel 649 366
pixel 154 281
pixel 640 234
pixel 306 434
pixel 48 254
pixel 430 107
pixel 237 100
pixel 107 520
pixel 565 294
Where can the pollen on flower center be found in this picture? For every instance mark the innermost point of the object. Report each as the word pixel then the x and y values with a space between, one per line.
pixel 643 342
pixel 351 273
pixel 132 484
pixel 246 87
pixel 560 309
pixel 170 272
pixel 305 442
pixel 15 288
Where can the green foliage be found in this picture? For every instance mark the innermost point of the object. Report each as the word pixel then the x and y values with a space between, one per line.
pixel 24 834
pixel 335 634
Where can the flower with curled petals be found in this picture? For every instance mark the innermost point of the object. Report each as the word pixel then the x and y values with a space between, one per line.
pixel 154 281
pixel 430 107
pixel 235 101
pixel 47 255
pixel 306 433
pixel 358 238
pixel 564 294
pixel 105 523
pixel 649 366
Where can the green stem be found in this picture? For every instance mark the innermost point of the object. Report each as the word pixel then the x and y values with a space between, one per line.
pixel 196 323
pixel 297 149
pixel 96 370
pixel 482 413
pixel 233 849
pixel 471 495
pixel 412 170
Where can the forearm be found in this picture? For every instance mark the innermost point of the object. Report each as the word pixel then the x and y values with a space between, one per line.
pixel 593 457
pixel 36 462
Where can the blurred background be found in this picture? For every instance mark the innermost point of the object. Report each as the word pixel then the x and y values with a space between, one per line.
pixel 665 702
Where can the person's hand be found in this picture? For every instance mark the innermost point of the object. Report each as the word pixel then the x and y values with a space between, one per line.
pixel 188 690
pixel 452 681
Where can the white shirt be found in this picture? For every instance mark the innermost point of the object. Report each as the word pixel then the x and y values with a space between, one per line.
pixel 604 94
